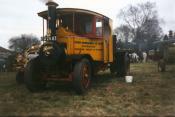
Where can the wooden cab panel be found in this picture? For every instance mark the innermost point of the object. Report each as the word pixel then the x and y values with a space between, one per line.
pixel 84 46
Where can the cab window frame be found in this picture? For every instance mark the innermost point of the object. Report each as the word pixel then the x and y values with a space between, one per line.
pixel 102 27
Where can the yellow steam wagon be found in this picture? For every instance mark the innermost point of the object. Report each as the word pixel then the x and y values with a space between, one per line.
pixel 78 44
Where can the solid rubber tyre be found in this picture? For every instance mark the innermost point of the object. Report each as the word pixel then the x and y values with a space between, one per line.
pixel 33 76
pixel 20 77
pixel 161 66
pixel 123 65
pixel 82 76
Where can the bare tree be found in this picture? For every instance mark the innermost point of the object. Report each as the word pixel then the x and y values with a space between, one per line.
pixel 124 32
pixel 143 21
pixel 22 42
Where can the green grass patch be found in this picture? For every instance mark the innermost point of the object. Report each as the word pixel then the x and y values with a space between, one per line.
pixel 151 93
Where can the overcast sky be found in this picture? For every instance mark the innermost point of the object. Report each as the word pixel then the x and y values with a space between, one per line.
pixel 20 16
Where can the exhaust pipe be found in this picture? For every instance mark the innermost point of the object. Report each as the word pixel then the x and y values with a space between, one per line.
pixel 51 27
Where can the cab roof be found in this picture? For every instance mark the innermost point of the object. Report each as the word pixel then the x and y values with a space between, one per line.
pixel 62 11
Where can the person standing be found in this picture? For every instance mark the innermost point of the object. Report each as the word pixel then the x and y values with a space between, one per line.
pixel 4 68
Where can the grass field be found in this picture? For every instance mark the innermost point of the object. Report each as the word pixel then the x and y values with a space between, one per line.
pixel 150 94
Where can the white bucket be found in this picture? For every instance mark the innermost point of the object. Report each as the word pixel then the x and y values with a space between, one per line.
pixel 129 79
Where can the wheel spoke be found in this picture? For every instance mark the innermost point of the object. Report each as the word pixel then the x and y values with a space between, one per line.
pixel 85 78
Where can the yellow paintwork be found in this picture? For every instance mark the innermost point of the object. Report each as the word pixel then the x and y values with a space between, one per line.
pixel 98 49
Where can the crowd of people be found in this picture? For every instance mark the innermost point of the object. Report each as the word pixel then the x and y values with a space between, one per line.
pixel 138 57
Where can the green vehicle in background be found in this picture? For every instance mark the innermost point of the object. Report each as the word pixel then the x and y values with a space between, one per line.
pixel 164 53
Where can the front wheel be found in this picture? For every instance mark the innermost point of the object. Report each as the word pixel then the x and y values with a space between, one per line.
pixel 33 76
pixel 20 77
pixel 82 76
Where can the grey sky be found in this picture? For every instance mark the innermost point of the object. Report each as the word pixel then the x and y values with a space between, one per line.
pixel 20 16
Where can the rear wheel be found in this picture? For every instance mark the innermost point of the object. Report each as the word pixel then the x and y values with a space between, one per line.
pixel 123 64
pixel 82 76
pixel 113 68
pixel 33 76
pixel 20 77
pixel 161 65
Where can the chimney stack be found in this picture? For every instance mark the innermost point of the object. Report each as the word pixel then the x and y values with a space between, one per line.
pixel 52 16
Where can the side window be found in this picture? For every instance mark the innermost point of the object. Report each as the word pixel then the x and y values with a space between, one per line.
pixel 107 29
pixel 83 24
pixel 88 27
pixel 99 25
